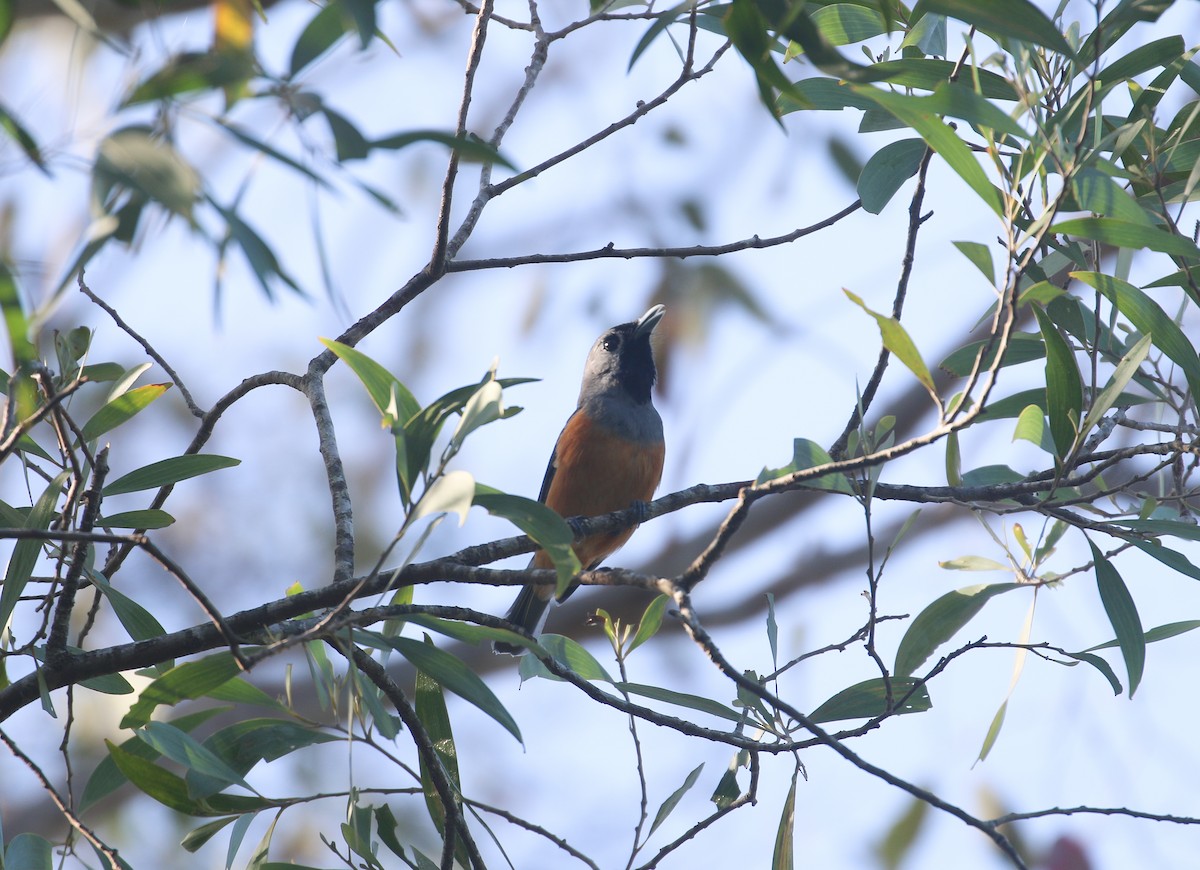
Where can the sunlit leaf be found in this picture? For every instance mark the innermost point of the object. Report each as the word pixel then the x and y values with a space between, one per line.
pixel 392 398
pixel 121 409
pixel 451 493
pixel 896 339
pixel 135 159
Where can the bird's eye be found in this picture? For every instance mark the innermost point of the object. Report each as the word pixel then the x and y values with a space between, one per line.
pixel 611 342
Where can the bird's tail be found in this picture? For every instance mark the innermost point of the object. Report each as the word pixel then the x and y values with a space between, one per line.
pixel 529 612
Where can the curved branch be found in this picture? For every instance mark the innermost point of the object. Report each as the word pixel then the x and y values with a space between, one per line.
pixel 610 251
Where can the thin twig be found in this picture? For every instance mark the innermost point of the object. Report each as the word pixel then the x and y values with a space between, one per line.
pixel 610 251
pixel 195 409
pixel 109 853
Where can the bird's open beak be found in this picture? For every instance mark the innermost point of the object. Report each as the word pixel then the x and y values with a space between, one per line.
pixel 649 320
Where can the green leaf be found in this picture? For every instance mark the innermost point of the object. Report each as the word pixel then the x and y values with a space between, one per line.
pixel 17 132
pixel 868 699
pixel 189 72
pixel 391 398
pixel 262 259
pixel 991 475
pixel 980 256
pixel 973 563
pixel 896 340
pixel 25 553
pixel 912 112
pixel 251 141
pixel 902 834
pixel 958 100
pixel 728 790
pixel 1064 385
pixel 1149 319
pixel 1125 371
pixel 783 857
pixel 680 699
pixel 469 147
pixel 1126 234
pixel 1022 348
pixel 162 785
pixel 664 20
pixel 485 406
pixel 1102 666
pixel 989 739
pixel 650 622
pixel 107 777
pixel 1161 632
pixel 451 493
pixel 1123 615
pixel 135 159
pixel 432 713
pixel 540 523
pixel 349 142
pixel 1170 558
pixel 569 654
pixel 1097 192
pixel 137 620
pixel 941 620
pixel 809 454
pixel 184 750
pixel 847 23
pixel 385 824
pixel 454 675
pixel 244 744
pixel 748 30
pixel 887 170
pixel 144 519
pixel 182 682
pixel 772 630
pixel 197 837
pixel 29 852
pixel 1158 53
pixel 1187 531
pixel 321 33
pixel 1018 19
pixel 1031 426
pixel 169 471
pixel 674 798
pixel 473 634
pixel 929 73
pixel 121 409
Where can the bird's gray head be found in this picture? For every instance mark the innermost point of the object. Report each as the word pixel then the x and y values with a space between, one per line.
pixel 622 360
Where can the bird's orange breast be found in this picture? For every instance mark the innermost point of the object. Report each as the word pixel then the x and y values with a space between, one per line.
pixel 597 472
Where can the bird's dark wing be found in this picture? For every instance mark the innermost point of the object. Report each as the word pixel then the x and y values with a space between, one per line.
pixel 552 465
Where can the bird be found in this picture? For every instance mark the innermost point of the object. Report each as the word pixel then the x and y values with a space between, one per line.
pixel 608 457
